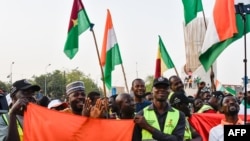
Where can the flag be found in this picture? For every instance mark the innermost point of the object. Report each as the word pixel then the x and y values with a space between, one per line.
pixel 110 56
pixel 230 90
pixel 191 8
pixel 203 122
pixel 42 124
pixel 224 28
pixel 78 23
pixel 163 60
pixel 219 86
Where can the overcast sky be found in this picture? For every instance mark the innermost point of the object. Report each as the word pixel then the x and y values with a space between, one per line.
pixel 33 33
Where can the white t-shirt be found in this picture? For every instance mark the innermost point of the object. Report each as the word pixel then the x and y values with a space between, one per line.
pixel 216 133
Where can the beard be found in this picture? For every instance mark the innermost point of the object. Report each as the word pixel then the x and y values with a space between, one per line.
pixel 75 106
pixel 233 110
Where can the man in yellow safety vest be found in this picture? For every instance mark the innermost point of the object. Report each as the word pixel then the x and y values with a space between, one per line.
pixel 159 121
pixel 22 92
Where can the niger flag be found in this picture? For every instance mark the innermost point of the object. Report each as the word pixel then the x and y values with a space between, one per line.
pixel 42 124
pixel 111 55
pixel 225 27
pixel 163 60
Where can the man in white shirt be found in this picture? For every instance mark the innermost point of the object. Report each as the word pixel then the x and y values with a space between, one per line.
pixel 230 108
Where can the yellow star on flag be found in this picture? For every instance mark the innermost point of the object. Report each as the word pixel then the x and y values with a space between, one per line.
pixel 75 22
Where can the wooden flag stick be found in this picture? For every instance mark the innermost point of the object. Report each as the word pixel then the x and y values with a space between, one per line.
pixel 176 72
pixel 125 78
pixel 204 18
pixel 99 58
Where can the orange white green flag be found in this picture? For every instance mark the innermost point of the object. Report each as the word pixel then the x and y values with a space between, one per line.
pixel 163 60
pixel 225 27
pixel 219 86
pixel 110 56
pixel 78 23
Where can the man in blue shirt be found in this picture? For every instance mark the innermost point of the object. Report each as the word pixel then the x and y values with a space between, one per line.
pixel 138 88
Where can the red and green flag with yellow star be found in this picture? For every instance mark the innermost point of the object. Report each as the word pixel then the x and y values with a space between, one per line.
pixel 78 23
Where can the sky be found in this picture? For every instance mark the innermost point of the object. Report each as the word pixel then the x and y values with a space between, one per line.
pixel 33 34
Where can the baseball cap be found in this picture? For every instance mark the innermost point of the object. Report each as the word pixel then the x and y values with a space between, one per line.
pixel 75 86
pixel 218 94
pixel 179 97
pixel 22 84
pixel 161 80
pixel 55 103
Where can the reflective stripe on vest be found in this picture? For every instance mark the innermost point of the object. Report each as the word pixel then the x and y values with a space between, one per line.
pixel 170 123
pixel 187 133
pixel 205 108
pixel 170 95
pixel 19 128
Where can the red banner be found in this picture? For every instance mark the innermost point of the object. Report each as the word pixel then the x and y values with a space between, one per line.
pixel 42 124
pixel 205 121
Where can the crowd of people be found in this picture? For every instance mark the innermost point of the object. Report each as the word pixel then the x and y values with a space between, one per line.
pixel 162 114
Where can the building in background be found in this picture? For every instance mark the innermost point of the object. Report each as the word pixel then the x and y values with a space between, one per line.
pixel 194 34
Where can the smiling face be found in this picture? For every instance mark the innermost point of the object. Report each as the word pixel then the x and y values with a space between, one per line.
pixel 138 87
pixel 161 92
pixel 176 84
pixel 76 100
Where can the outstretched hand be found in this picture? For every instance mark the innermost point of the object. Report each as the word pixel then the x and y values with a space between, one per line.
pixel 97 110
pixel 87 107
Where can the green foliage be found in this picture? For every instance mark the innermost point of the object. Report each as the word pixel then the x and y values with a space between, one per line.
pixel 56 82
pixel 149 83
pixel 4 86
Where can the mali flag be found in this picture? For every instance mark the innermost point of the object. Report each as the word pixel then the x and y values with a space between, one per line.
pixel 163 60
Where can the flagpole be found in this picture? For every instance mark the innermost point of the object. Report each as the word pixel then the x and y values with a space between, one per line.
pixel 245 62
pixel 176 72
pixel 204 18
pixel 242 11
pixel 99 58
pixel 125 78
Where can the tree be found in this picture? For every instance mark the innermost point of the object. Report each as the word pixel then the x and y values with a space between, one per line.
pixel 4 86
pixel 149 83
pixel 89 83
pixel 56 82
